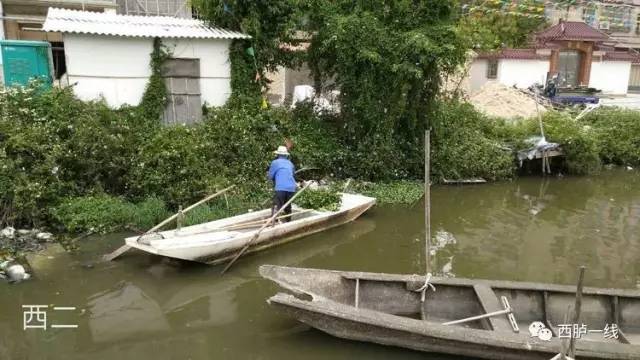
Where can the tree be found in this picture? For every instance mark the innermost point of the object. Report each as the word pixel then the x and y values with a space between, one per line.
pixel 386 57
pixel 270 23
pixel 489 25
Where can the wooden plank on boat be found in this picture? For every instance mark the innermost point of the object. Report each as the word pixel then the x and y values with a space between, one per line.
pixel 490 304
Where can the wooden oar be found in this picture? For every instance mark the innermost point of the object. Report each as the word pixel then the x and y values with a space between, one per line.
pixel 262 228
pixel 121 250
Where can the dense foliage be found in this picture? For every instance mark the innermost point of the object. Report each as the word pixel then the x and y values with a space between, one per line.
pixel 270 23
pixel 154 98
pixel 404 192
pixel 464 145
pixel 618 135
pixel 102 214
pixel 386 58
pixel 60 156
pixel 489 25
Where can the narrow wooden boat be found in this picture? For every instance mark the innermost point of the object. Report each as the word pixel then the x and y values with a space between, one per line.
pixel 387 309
pixel 218 241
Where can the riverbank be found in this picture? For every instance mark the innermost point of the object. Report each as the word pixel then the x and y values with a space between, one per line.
pixel 74 166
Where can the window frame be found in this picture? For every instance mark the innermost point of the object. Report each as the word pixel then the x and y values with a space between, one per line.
pixel 492 69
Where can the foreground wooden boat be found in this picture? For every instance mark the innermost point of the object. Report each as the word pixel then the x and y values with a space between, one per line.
pixel 218 241
pixel 386 309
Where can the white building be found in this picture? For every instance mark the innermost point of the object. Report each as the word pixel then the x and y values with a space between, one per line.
pixel 579 54
pixel 108 55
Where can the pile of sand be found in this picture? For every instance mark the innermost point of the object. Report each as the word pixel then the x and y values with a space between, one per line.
pixel 495 99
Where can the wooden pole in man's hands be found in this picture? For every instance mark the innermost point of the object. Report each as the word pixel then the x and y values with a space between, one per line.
pixel 266 224
pixel 121 250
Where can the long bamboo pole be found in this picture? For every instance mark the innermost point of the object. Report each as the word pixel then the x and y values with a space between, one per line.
pixel 266 224
pixel 121 250
pixel 427 198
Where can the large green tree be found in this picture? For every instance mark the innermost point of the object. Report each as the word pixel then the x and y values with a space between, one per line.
pixel 386 57
pixel 270 23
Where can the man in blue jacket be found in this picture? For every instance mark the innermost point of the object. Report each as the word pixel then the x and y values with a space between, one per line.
pixel 281 172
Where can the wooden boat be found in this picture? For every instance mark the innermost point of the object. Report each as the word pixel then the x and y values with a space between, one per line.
pixel 218 241
pixel 387 309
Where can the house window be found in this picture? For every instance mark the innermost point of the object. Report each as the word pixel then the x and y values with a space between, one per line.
pixel 492 69
pixel 589 14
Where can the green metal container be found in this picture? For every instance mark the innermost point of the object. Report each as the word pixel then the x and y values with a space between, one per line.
pixel 23 61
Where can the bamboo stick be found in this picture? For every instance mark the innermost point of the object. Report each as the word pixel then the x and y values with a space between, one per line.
pixel 427 197
pixel 262 228
pixel 121 250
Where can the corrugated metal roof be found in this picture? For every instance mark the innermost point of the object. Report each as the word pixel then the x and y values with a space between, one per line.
pixel 87 22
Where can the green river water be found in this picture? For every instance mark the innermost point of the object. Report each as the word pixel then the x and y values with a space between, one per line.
pixel 144 307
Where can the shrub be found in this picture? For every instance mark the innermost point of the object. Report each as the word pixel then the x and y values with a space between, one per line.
pixel 464 145
pixel 578 142
pixel 618 134
pixel 103 214
pixel 396 192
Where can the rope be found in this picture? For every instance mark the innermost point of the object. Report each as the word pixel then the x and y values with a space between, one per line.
pixel 423 289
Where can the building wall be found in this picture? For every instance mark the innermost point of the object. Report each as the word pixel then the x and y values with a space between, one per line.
pixel 619 19
pixel 177 8
pixel 612 77
pixel 117 68
pixel 478 74
pixel 522 73
pixel 215 68
pixel 22 19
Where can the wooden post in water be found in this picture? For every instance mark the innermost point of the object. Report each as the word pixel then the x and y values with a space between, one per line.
pixel 576 314
pixel 180 218
pixel 427 197
pixel 535 92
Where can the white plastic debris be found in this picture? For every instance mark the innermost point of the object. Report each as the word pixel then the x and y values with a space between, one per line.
pixel 16 273
pixel 8 232
pixel 44 236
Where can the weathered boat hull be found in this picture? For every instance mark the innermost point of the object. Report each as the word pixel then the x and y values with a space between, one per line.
pixel 326 300
pixel 206 243
pixel 279 238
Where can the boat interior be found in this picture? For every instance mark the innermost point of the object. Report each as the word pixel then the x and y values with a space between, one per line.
pixel 243 223
pixel 251 221
pixel 456 299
